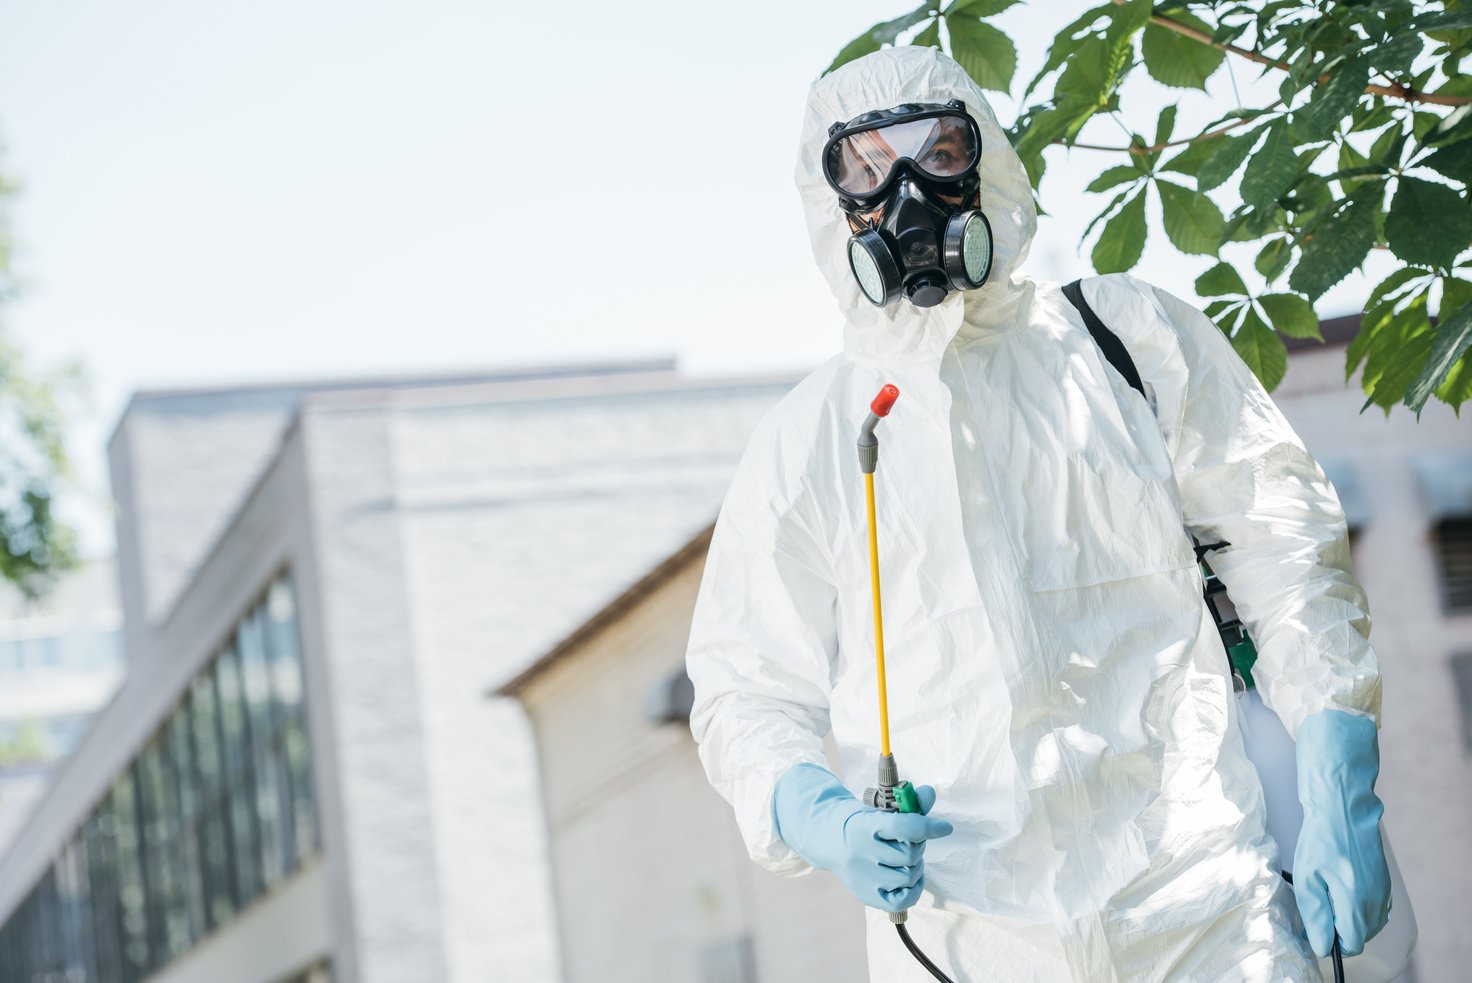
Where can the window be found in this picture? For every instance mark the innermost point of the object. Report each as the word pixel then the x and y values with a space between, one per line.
pixel 1454 557
pixel 132 890
pixel 216 809
pixel 1462 677
pixel 28 654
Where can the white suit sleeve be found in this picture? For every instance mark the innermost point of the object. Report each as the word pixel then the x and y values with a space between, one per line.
pixel 761 648
pixel 1246 479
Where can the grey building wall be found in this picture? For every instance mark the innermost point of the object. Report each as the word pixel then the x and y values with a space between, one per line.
pixel 181 465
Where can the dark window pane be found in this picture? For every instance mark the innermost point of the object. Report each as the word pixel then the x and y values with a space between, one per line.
pixel 162 836
pixel 100 836
pixel 217 859
pixel 215 838
pixel 271 813
pixel 241 797
pixel 242 807
pixel 1462 679
pixel 255 673
pixel 205 718
pixel 76 904
pixel 256 684
pixel 303 806
pixel 131 898
pixel 234 719
pixel 181 746
pixel 286 659
pixel 1454 555
pixel 48 926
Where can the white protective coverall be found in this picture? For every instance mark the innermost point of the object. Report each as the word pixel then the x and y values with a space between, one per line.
pixel 1053 670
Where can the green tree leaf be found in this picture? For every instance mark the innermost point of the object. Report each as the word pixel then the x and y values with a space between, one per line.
pixel 1121 174
pixel 1332 100
pixel 1457 388
pixel 1165 124
pixel 1428 223
pixel 1217 308
pixel 1123 239
pixel 1397 54
pixel 1274 257
pixel 1405 364
pixel 1068 41
pixel 880 34
pixel 980 8
pixel 929 36
pixel 1230 153
pixel 1389 288
pixel 1272 170
pixel 1098 63
pixel 1262 350
pixel 1189 160
pixel 1179 61
pixel 1220 281
pixel 1193 222
pixel 988 55
pixel 1454 161
pixel 1291 315
pixel 1339 245
pixel 1392 334
pixel 1452 339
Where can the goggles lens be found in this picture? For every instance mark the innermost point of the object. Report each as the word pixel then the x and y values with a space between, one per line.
pixel 940 146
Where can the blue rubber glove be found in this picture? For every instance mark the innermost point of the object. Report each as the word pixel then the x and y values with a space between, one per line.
pixel 1340 877
pixel 877 855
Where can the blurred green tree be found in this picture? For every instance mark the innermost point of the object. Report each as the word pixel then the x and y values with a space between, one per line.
pixel 34 545
pixel 23 747
pixel 1368 145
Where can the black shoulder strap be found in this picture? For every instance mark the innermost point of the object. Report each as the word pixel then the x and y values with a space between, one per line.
pixel 1107 340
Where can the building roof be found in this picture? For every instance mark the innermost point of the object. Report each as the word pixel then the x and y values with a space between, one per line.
pixel 691 552
pixel 289 390
pixel 1336 331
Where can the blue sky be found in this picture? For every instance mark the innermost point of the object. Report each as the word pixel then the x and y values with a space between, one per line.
pixel 216 193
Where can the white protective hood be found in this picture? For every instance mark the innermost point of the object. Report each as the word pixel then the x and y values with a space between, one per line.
pixel 1052 669
pixel 896 76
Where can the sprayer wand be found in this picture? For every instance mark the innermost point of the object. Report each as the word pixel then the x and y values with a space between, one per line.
pixel 891 795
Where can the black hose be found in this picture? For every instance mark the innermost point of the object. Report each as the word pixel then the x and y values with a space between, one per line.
pixel 923 959
pixel 1335 953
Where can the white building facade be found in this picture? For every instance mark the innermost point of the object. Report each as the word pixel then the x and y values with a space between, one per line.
pixel 300 779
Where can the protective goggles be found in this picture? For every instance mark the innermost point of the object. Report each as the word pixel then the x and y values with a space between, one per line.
pixel 863 155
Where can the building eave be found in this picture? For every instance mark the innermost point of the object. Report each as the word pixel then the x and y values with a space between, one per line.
pixel 676 562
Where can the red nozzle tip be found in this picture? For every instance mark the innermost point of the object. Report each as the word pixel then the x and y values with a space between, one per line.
pixel 884 402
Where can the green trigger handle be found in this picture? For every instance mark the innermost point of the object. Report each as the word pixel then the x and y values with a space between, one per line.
pixel 891 794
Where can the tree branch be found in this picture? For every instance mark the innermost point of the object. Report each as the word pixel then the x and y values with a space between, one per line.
pixel 1404 92
pixel 1155 148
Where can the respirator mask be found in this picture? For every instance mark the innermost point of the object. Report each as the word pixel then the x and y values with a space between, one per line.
pixel 907 180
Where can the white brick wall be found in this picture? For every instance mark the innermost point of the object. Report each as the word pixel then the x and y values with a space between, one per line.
pixel 519 521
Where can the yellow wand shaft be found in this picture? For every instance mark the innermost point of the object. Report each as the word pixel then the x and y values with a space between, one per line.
pixel 878 618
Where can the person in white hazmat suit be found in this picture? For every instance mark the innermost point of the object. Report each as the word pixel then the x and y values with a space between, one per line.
pixel 1054 673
